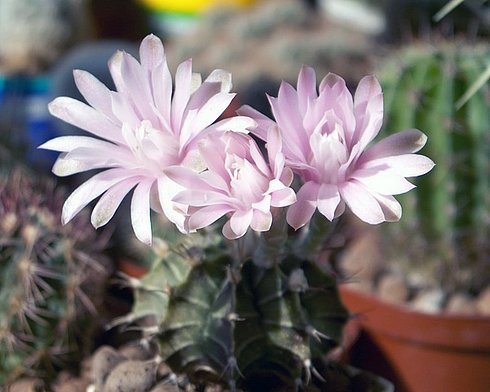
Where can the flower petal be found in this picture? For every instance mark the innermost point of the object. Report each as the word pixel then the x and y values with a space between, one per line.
pixel 85 117
pixel 108 203
pixel 140 211
pixel 300 213
pixel 384 182
pixel 240 222
pixel 361 202
pixel 95 92
pixel 91 189
pixel 328 200
pixel 368 110
pixel 261 220
pixel 183 82
pixel 407 165
pixel 404 142
pixel 205 216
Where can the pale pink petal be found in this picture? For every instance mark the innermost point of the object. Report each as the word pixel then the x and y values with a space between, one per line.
pixel 66 167
pixel 68 143
pixel 140 211
pixel 368 110
pixel 115 63
pixel 361 202
pixel 286 112
pixel 404 142
pixel 95 92
pixel 161 82
pixel 300 213
pixel 263 122
pixel 384 182
pixel 218 81
pixel 240 221
pixel 187 178
pixel 85 117
pixel 108 203
pixel 138 84
pixel 91 189
pixel 261 221
pixel 183 81
pixel 206 216
pixel 205 116
pixel 175 212
pixel 124 111
pixel 328 200
pixel 306 88
pixel 407 165
pixel 151 52
pixel 392 210
pixel 199 198
pixel 283 197
pixel 239 124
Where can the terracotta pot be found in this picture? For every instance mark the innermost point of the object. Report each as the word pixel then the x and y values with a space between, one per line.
pixel 420 352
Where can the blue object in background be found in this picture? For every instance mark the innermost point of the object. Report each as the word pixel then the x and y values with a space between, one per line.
pixel 25 122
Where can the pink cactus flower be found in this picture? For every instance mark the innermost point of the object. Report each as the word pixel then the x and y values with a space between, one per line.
pixel 327 136
pixel 140 129
pixel 239 183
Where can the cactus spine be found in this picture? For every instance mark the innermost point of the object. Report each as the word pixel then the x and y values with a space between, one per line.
pixel 245 312
pixel 52 281
pixel 447 218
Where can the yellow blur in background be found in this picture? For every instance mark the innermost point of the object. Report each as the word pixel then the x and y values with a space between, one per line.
pixel 190 6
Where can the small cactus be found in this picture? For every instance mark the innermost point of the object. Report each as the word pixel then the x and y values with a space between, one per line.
pixel 447 218
pixel 228 320
pixel 52 280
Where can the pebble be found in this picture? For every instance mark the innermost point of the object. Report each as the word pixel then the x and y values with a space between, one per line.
pixel 461 303
pixel 393 288
pixel 103 362
pixel 131 376
pixel 483 302
pixel 428 301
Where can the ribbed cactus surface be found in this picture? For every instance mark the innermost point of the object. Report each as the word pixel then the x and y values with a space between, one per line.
pixel 235 319
pixel 52 282
pixel 447 218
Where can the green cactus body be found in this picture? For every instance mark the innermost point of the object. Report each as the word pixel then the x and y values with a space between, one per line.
pixel 233 320
pixel 447 217
pixel 53 278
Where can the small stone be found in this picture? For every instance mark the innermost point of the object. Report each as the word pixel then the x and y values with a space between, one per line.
pixel 483 302
pixel 138 351
pixel 104 360
pixel 72 385
pixel 460 303
pixel 163 370
pixel 26 385
pixel 393 288
pixel 165 386
pixel 428 301
pixel 131 376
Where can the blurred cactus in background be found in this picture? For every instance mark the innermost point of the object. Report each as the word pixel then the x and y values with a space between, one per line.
pixel 445 228
pixel 53 280
pixel 33 34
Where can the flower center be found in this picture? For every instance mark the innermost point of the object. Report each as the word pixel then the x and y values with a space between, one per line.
pixel 329 153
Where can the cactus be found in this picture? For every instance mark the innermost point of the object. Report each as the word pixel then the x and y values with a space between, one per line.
pixel 52 280
pixel 447 218
pixel 242 311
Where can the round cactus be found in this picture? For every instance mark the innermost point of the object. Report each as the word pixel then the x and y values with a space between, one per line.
pixel 446 219
pixel 235 314
pixel 52 280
